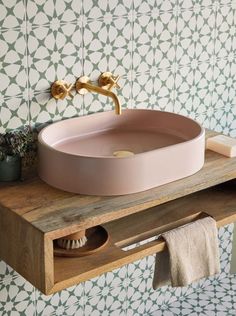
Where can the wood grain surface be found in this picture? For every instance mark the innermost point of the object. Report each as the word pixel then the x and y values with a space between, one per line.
pixel 218 202
pixel 33 214
pixel 58 213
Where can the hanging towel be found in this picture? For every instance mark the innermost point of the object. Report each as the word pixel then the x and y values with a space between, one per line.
pixel 192 253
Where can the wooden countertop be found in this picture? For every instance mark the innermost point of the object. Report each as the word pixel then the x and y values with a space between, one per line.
pixel 33 215
pixel 57 213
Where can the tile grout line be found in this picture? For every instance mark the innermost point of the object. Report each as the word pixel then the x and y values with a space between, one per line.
pixel 82 49
pixel 27 61
pixel 132 55
pixel 175 52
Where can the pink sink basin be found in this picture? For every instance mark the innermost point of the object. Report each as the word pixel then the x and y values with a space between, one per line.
pixel 108 154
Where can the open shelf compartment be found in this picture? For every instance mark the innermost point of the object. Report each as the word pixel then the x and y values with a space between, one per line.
pixel 219 202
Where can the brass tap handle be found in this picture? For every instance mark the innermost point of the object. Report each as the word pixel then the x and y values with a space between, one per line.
pixel 108 81
pixel 60 89
pixel 69 88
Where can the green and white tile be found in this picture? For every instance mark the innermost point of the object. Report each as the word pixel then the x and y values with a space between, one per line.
pixel 45 109
pixel 196 4
pixel 215 299
pixel 107 295
pixel 17 298
pixel 195 35
pixel 12 14
pixel 193 89
pixel 14 112
pixel 226 232
pixel 225 43
pixel 94 9
pixel 69 302
pixel 6 272
pixel 153 6
pixel 139 275
pixel 154 90
pixel 224 93
pixel 13 75
pixel 224 122
pixel 154 40
pixel 45 12
pixel 107 47
pixel 53 53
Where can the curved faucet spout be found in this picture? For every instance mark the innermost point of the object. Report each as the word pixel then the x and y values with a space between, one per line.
pixel 92 88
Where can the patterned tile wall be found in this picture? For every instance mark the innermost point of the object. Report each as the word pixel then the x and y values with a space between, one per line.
pixel 125 292
pixel 173 55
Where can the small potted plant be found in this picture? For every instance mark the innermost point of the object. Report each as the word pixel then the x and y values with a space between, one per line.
pixel 13 146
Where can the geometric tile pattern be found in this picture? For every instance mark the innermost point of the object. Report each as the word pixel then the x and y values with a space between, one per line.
pixel 177 56
pixel 217 298
pixel 125 292
pixel 106 45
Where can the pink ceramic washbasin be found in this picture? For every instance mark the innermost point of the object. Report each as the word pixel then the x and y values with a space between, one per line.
pixel 108 154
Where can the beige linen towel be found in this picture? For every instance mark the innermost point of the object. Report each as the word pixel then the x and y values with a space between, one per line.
pixel 192 254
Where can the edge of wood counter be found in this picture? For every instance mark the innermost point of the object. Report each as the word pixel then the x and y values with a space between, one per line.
pixel 33 214
pixel 57 213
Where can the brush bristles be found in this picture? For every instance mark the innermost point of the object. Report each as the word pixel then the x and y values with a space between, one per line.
pixel 72 244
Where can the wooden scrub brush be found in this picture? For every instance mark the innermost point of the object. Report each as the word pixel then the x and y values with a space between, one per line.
pixel 73 241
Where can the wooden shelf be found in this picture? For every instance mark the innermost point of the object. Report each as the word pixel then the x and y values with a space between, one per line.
pixel 219 202
pixel 33 214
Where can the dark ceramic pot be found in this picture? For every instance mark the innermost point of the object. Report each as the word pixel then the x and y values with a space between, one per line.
pixel 10 168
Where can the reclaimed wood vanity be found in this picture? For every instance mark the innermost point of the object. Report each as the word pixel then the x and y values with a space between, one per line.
pixel 33 215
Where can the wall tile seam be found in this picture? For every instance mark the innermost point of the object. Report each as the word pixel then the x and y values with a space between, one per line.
pixel 102 19
pixel 83 23
pixel 134 75
pixel 177 68
pixel 82 27
pixel 27 66
pixel 135 15
pixel 132 12
pixel 213 6
pixel 198 116
pixel 131 78
pixel 77 21
pixel 35 302
pixel 9 97
pixel 161 11
pixel 21 29
pixel 43 92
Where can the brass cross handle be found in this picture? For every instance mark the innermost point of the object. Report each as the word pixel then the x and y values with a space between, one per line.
pixel 107 81
pixel 60 89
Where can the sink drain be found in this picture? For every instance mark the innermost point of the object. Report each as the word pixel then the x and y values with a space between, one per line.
pixel 123 153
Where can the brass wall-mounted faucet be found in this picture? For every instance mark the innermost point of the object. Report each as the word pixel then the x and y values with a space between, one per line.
pixel 106 82
pixel 60 89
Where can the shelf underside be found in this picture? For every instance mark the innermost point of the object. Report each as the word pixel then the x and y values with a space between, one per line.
pixel 219 202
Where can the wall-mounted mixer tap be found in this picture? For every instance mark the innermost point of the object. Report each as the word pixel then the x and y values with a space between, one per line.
pixel 106 82
pixel 60 89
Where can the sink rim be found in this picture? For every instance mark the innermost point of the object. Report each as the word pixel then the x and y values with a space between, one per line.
pixel 135 156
